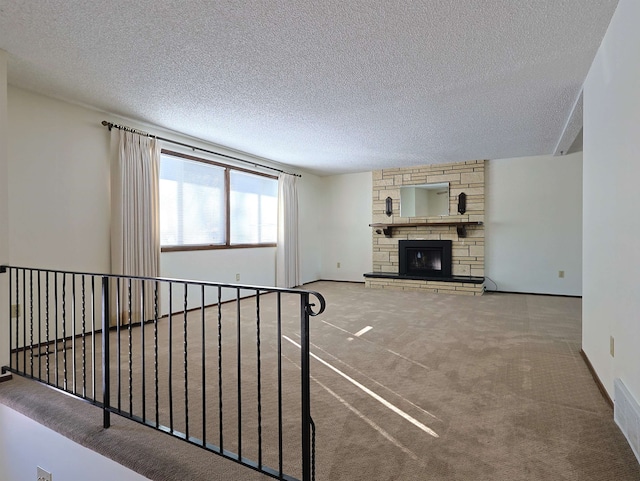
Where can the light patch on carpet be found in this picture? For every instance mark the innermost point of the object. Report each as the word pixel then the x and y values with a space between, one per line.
pixel 369 422
pixel 362 331
pixel 336 327
pixel 388 350
pixel 377 382
pixel 368 391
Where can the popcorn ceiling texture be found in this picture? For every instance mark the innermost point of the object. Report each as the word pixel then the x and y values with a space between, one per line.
pixel 467 252
pixel 329 86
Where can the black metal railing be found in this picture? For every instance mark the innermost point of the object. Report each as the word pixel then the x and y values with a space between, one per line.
pixel 201 361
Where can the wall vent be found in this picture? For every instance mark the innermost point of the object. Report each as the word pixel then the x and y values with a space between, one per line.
pixel 626 413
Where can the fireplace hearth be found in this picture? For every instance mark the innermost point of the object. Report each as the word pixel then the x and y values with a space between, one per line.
pixel 426 265
pixel 425 258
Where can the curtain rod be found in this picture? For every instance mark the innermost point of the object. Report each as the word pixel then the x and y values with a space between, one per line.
pixel 111 125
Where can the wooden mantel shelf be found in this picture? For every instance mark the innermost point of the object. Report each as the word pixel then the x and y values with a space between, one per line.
pixel 387 229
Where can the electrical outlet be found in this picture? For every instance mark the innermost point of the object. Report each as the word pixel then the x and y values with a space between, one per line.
pixel 612 346
pixel 15 310
pixel 237 277
pixel 338 265
pixel 561 274
pixel 43 475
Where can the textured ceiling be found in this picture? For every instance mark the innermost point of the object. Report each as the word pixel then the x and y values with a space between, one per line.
pixel 331 86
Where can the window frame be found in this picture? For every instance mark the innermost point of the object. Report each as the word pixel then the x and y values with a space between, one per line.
pixel 227 196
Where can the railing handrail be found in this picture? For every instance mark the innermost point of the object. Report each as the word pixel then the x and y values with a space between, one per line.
pixel 252 287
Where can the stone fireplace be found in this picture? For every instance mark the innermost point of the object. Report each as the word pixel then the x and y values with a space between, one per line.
pixel 463 231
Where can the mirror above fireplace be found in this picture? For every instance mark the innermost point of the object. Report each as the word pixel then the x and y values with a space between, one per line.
pixel 424 200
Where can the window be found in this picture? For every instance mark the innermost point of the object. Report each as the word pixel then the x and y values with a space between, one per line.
pixel 192 206
pixel 254 208
pixel 204 204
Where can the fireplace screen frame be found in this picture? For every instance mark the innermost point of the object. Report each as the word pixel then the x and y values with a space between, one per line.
pixel 444 246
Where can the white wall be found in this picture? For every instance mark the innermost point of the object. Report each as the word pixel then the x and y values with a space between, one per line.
pixel 345 215
pixel 58 191
pixel 59 184
pixel 58 181
pixel 611 260
pixel 221 265
pixel 533 217
pixel 25 444
pixel 58 169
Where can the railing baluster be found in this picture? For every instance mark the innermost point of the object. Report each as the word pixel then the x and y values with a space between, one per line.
pixel 143 318
pixel 73 331
pixel 155 350
pixel 259 380
pixel 46 325
pixel 220 368
pixel 204 369
pixel 93 337
pixel 56 302
pixel 106 380
pixel 129 326
pixel 31 321
pixel 11 363
pixel 279 342
pixel 118 344
pixel 186 383
pixel 171 357
pixel 24 321
pixel 84 340
pixel 64 331
pixel 239 368
pixel 39 329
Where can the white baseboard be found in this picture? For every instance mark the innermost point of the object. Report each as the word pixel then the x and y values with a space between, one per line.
pixel 626 413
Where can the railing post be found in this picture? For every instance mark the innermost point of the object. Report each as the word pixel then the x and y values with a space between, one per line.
pixel 306 389
pixel 10 317
pixel 106 401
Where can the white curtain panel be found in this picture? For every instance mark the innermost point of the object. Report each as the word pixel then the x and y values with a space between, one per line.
pixel 287 257
pixel 135 219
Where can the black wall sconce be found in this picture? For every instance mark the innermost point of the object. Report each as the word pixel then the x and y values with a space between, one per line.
pixel 388 206
pixel 462 203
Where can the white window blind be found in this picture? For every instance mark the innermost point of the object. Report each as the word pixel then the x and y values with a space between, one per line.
pixel 192 203
pixel 253 208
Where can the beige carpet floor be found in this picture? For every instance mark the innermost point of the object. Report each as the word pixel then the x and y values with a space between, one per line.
pixel 440 387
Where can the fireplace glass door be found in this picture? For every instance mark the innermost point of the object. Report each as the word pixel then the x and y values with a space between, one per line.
pixel 425 258
pixel 424 261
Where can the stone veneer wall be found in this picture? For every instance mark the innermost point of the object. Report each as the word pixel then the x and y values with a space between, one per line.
pixel 468 252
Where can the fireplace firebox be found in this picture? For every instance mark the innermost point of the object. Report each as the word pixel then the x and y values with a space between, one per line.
pixel 425 258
